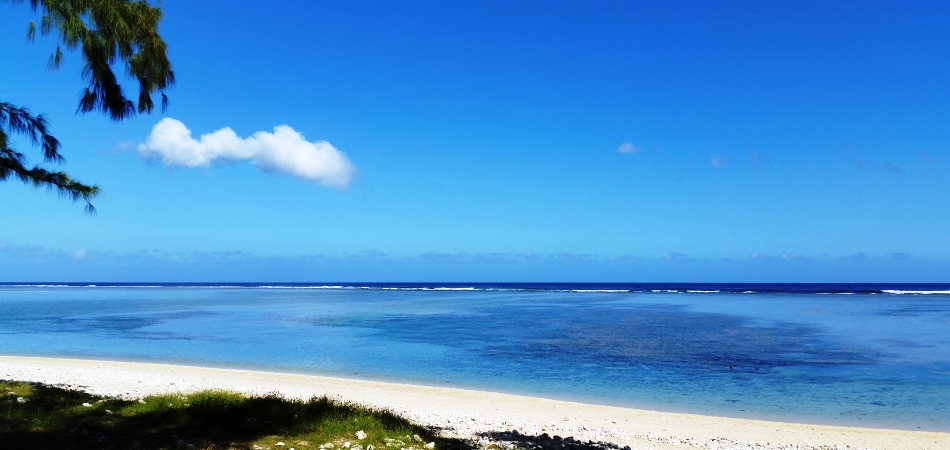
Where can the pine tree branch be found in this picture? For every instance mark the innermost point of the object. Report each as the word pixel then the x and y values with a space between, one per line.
pixel 19 120
pixel 12 163
pixel 107 32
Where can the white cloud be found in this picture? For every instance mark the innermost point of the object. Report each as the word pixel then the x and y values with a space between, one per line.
pixel 284 151
pixel 627 147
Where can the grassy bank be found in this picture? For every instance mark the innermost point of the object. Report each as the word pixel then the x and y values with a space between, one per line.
pixel 39 416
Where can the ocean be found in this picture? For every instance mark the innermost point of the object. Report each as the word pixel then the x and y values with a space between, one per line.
pixel 842 354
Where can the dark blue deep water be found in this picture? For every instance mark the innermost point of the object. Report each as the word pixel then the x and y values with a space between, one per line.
pixel 870 355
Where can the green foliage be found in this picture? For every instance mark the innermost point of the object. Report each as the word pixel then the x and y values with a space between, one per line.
pixel 12 163
pixel 106 33
pixel 50 417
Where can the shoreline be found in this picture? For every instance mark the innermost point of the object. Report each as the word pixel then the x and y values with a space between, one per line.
pixel 467 413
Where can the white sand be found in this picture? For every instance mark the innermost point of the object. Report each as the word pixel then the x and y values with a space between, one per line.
pixel 466 413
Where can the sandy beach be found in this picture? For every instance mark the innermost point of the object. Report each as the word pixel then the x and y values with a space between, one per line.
pixel 468 413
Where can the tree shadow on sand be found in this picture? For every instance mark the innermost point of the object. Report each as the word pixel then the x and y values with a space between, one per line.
pixel 542 441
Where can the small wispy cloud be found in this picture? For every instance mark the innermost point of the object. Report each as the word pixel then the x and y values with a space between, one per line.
pixel 283 151
pixel 756 159
pixel 717 161
pixel 628 147
pixel 676 256
pixel 878 166
pixel 898 256
pixel 784 256
pixel 893 169
pixel 854 257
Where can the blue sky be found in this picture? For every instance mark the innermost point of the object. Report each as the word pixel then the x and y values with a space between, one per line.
pixel 505 141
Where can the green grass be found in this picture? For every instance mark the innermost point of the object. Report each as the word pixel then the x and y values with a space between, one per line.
pixel 39 416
